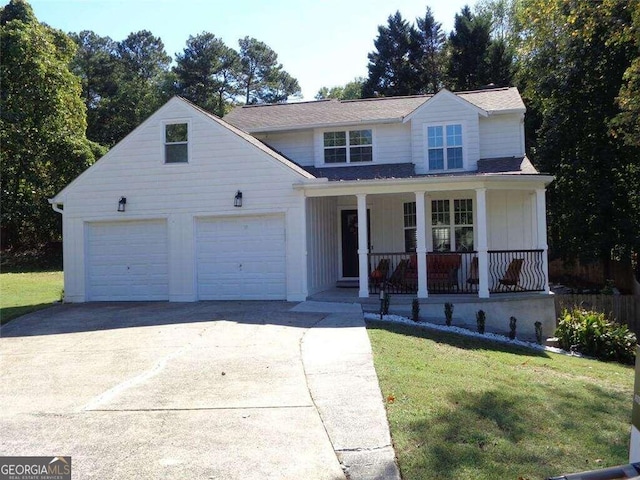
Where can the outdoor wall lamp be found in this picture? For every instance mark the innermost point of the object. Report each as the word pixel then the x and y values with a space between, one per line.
pixel 237 200
pixel 121 204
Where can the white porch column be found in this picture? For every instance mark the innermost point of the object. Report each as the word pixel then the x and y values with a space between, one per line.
pixel 421 246
pixel 541 212
pixel 363 247
pixel 483 255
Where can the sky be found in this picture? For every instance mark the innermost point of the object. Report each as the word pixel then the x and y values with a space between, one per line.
pixel 319 42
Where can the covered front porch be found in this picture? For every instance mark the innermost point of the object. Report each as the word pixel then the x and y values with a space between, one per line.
pixel 428 236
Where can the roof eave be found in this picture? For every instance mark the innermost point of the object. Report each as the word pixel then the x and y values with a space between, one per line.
pixel 494 177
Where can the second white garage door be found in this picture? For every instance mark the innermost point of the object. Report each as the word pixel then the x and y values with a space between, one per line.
pixel 241 258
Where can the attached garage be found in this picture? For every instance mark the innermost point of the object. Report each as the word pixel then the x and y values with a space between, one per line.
pixel 127 261
pixel 241 258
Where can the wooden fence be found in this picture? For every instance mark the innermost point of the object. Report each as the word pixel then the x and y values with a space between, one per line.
pixel 623 308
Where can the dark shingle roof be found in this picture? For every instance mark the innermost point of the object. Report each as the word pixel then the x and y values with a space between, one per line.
pixel 486 166
pixel 506 165
pixel 282 116
pixel 364 172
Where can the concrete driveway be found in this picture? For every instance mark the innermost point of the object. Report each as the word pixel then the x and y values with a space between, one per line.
pixel 210 390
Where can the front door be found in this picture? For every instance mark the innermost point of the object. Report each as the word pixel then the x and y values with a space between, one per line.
pixel 350 262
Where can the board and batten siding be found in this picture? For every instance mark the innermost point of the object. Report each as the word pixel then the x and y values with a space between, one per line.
pixel 221 162
pixel 502 136
pixel 442 110
pixel 511 218
pixel 322 243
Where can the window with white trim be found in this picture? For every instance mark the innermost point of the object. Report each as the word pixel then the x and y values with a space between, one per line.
pixel 176 147
pixel 351 146
pixel 410 240
pixel 452 219
pixel 444 147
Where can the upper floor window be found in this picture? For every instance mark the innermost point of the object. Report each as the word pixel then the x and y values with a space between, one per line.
pixel 352 146
pixel 176 136
pixel 444 146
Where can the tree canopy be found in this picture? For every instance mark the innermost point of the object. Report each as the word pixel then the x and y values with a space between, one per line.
pixel 575 64
pixel 42 124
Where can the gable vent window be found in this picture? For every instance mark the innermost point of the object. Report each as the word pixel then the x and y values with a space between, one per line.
pixel 444 147
pixel 176 136
pixel 352 146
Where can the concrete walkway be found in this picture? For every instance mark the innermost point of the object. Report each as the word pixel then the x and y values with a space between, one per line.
pixel 228 390
pixel 344 387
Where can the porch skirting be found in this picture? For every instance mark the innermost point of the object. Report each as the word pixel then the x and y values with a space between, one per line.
pixel 528 308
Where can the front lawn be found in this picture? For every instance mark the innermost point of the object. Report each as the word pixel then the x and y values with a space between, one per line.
pixel 469 409
pixel 22 293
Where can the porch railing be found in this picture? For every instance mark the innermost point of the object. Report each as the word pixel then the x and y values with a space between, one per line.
pixel 457 272
pixel 516 271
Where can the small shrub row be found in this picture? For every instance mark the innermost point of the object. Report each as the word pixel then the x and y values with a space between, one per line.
pixel 481 319
pixel 593 334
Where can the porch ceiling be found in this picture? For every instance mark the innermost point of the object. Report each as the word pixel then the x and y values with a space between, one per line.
pixel 324 188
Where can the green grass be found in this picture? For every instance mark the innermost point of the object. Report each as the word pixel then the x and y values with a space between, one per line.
pixel 22 293
pixel 469 409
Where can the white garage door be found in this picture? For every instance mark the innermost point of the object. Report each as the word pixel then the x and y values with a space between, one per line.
pixel 241 258
pixel 128 261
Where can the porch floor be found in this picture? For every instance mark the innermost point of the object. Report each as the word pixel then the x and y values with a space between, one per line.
pixel 350 295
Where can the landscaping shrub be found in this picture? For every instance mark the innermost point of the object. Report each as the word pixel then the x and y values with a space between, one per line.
pixel 512 328
pixel 592 333
pixel 538 327
pixel 415 309
pixel 480 320
pixel 448 313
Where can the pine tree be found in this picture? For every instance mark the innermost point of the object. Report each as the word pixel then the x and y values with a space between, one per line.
pixel 390 70
pixel 469 46
pixel 427 53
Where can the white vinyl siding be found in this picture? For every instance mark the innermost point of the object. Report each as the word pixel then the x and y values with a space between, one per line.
pixel 220 163
pixel 127 261
pixel 502 136
pixel 322 243
pixel 445 110
pixel 298 146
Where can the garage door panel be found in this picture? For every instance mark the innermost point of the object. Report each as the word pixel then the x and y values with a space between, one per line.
pixel 128 261
pixel 241 258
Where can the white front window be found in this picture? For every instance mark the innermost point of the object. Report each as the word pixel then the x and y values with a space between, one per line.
pixel 444 147
pixel 452 219
pixel 351 146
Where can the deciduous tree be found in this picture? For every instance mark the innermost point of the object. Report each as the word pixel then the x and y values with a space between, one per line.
pixel 572 66
pixel 42 124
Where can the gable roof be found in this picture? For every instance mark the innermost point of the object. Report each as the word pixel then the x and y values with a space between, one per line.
pixel 321 113
pixel 252 140
pixel 59 197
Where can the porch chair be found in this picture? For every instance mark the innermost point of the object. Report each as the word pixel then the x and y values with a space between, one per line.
pixel 397 277
pixel 511 277
pixel 474 276
pixel 379 275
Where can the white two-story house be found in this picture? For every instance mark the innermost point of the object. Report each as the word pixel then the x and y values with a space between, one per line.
pixel 270 203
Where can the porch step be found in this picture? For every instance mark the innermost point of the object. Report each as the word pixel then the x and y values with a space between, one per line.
pixel 347 284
